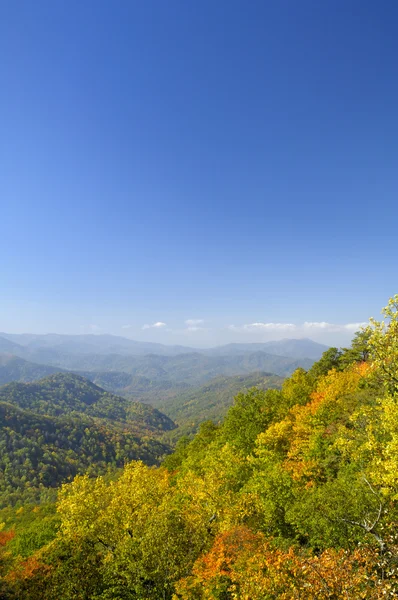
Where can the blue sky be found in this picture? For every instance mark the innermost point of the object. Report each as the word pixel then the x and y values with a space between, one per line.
pixel 228 163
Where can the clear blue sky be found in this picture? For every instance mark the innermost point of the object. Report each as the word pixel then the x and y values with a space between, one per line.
pixel 230 162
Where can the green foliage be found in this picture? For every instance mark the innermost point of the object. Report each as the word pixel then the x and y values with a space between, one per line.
pixel 63 425
pixel 37 452
pixel 251 413
pixel 383 346
pixel 359 350
pixel 212 401
pixel 66 393
pixel 35 527
pixel 293 495
pixel 331 359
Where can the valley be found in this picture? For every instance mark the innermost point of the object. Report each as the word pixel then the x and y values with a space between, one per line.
pixel 90 410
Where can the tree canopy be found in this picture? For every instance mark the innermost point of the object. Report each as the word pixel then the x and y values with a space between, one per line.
pixel 293 496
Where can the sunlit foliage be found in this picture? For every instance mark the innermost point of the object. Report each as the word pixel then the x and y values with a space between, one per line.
pixel 294 496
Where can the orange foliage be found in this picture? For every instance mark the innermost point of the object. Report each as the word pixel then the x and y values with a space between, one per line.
pixel 320 418
pixel 244 565
pixel 6 536
pixel 29 568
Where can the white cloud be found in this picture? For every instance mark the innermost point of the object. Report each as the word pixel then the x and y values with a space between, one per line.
pixel 320 325
pixel 264 327
pixel 156 325
pixel 126 327
pixel 303 328
pixel 355 326
pixel 324 326
pixel 94 328
pixel 194 324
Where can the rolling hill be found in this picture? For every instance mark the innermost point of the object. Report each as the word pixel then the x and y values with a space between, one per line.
pixel 10 347
pixel 144 371
pixel 63 425
pixel 192 369
pixel 14 368
pixel 212 400
pixel 67 393
pixel 291 348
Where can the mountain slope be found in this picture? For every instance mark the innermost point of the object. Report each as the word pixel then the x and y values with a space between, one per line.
pixel 63 425
pixel 212 401
pixel 137 387
pixel 16 369
pixel 10 347
pixel 195 369
pixel 192 369
pixel 291 348
pixel 297 348
pixel 38 451
pixel 67 393
pixel 13 368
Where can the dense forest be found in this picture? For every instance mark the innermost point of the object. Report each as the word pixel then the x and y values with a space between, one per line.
pixel 13 368
pixel 211 401
pixel 292 496
pixel 62 425
pixel 67 393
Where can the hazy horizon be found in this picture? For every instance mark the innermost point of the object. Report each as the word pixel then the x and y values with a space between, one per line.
pixel 329 337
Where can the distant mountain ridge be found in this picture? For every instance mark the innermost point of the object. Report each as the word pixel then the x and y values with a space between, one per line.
pixel 110 344
pixel 89 344
pixel 151 378
pixel 192 369
pixel 291 348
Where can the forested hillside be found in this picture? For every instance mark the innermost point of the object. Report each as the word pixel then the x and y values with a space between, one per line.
pixel 293 496
pixel 16 369
pixel 62 425
pixel 192 369
pixel 212 401
pixel 13 368
pixel 67 393
pixel 139 387
pixel 39 452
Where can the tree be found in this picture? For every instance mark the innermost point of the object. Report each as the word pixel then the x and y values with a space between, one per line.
pixel 383 346
pixel 331 359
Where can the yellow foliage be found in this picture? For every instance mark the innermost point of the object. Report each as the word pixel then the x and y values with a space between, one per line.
pixel 299 435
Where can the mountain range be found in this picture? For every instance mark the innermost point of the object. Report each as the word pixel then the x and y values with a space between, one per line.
pixel 84 344
pixel 74 404
pixel 145 370
pixel 26 343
